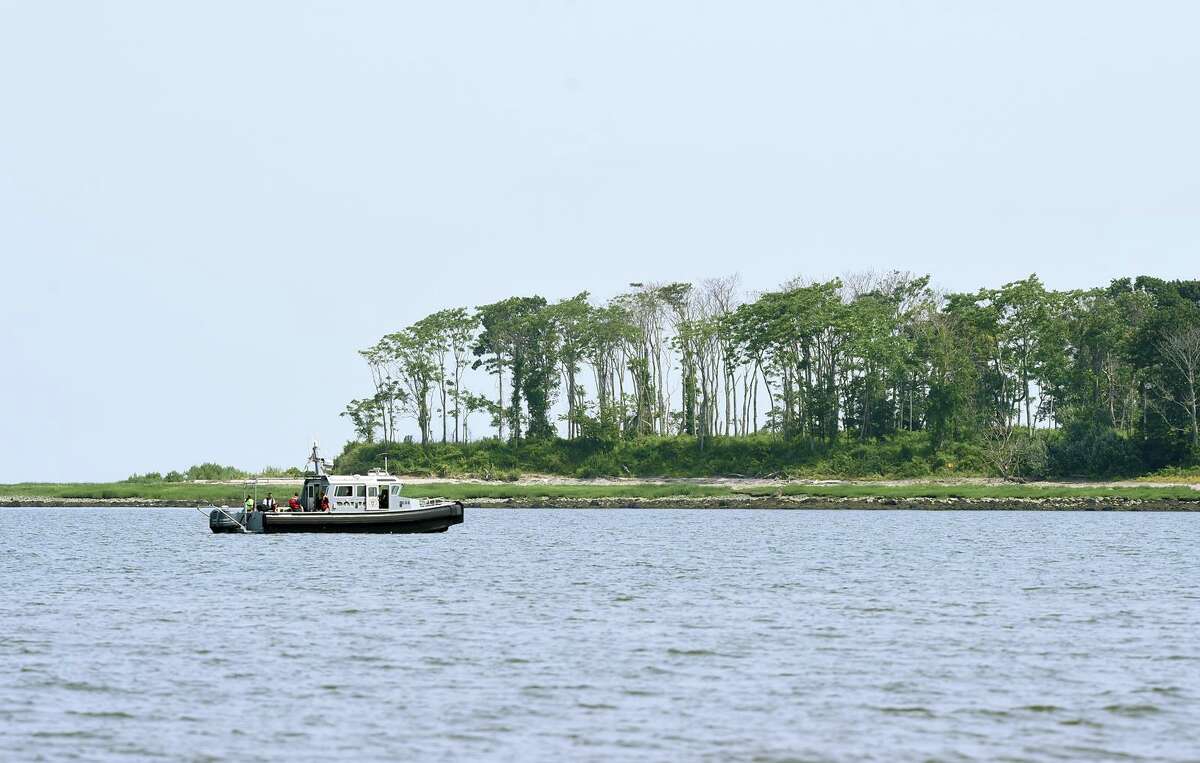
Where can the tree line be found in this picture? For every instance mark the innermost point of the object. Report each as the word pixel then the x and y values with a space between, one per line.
pixel 1108 374
pixel 214 472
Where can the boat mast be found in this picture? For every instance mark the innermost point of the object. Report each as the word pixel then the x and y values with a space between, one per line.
pixel 317 462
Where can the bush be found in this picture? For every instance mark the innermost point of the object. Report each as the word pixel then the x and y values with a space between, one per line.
pixel 213 472
pixel 598 465
pixel 906 454
pixel 275 471
pixel 1090 450
pixel 1015 454
pixel 147 477
pixel 1033 457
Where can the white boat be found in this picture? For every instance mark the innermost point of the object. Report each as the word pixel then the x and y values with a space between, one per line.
pixel 357 503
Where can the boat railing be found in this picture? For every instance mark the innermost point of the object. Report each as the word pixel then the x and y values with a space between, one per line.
pixel 424 502
pixel 223 509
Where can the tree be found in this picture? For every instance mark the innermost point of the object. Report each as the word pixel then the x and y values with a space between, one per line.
pixel 1100 385
pixel 387 391
pixel 404 361
pixel 1113 370
pixel 449 334
pixel 1180 350
pixel 539 351
pixel 493 347
pixel 570 319
pixel 366 415
pixel 515 335
pixel 950 378
pixel 458 332
pixel 1029 320
pixel 646 309
pixel 606 336
pixel 471 403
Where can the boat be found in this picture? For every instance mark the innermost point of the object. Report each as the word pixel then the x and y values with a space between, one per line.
pixel 357 503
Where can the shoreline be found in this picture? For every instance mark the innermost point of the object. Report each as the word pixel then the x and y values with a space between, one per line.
pixel 545 491
pixel 715 503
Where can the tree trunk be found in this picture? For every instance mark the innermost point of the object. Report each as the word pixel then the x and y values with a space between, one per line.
pixel 500 411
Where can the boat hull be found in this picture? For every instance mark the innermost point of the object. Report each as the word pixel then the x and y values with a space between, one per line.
pixel 428 519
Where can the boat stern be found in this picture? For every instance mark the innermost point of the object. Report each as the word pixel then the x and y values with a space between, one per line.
pixel 235 521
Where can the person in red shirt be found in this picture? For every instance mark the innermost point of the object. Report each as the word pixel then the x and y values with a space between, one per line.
pixel 324 503
pixel 294 502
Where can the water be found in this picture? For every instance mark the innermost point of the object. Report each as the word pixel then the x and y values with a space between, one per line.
pixel 589 635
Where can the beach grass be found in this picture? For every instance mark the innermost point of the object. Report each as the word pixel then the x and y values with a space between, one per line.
pixel 457 491
pixel 981 492
pixel 184 492
pixel 1181 474
pixel 462 491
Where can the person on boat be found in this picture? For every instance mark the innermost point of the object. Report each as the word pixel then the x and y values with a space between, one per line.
pixel 324 503
pixel 294 502
pixel 269 503
pixel 249 504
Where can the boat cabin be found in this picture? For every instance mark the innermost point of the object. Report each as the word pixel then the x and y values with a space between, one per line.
pixel 375 491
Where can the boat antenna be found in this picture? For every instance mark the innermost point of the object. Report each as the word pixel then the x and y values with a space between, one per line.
pixel 316 460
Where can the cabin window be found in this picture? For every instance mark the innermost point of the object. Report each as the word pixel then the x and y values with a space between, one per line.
pixel 310 491
pixel 344 491
pixel 362 491
pixel 395 490
pixel 372 491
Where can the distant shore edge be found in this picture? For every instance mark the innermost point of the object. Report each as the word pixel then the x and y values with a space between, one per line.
pixel 797 502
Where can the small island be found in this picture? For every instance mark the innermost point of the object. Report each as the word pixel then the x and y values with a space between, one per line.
pixel 869 391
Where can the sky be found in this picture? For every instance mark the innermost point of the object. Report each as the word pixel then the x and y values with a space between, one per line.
pixel 207 208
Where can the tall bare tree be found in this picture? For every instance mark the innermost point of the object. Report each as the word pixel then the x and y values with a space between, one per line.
pixel 1181 350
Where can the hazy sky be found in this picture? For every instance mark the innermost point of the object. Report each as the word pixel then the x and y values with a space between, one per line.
pixel 206 208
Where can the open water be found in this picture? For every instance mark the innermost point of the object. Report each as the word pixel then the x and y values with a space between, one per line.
pixel 599 635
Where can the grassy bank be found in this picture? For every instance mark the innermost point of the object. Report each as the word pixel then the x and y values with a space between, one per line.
pixel 184 492
pixel 1189 475
pixel 467 491
pixel 187 493
pixel 988 492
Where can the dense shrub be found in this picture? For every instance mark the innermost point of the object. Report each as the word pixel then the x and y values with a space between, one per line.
pixel 147 477
pixel 904 455
pixel 211 471
pixel 275 471
pixel 1090 450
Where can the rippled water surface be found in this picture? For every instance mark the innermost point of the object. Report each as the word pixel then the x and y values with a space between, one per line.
pixel 548 635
